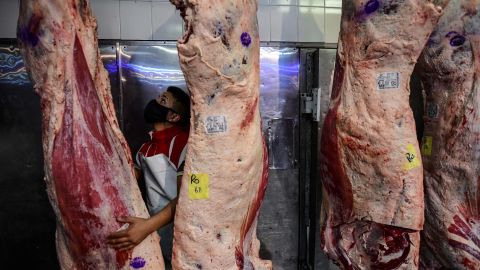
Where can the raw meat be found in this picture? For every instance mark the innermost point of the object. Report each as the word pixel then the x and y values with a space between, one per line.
pixel 215 222
pixel 450 66
pixel 88 166
pixel 370 159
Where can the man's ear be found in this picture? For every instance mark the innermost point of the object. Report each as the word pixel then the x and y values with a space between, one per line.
pixel 174 117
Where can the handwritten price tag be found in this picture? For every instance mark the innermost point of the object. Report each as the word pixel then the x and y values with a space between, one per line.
pixel 427 142
pixel 411 157
pixel 198 186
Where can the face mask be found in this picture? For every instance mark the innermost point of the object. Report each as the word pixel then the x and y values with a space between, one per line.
pixel 155 112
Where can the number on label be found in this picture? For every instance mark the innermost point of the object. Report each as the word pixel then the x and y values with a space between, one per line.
pixel 198 186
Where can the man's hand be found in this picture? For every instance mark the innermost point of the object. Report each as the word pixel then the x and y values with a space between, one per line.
pixel 138 229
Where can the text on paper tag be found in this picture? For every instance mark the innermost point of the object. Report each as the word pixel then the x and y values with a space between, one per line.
pixel 198 186
pixel 388 80
pixel 215 124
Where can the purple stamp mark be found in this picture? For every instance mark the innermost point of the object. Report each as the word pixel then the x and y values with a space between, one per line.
pixel 246 39
pixel 456 40
pixel 29 33
pixel 371 6
pixel 137 263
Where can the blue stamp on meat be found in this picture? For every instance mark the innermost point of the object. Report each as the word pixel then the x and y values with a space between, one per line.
pixel 246 39
pixel 137 263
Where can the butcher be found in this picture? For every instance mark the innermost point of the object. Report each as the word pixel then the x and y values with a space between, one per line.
pixel 161 162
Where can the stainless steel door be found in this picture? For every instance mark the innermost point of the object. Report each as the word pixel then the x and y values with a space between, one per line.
pixel 147 70
pixel 137 74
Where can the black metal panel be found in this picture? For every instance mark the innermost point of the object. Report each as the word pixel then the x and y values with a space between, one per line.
pixel 27 222
pixel 307 161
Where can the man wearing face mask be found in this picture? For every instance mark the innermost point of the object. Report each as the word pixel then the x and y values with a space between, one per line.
pixel 161 161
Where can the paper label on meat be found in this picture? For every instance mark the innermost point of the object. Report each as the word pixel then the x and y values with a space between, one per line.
pixel 198 186
pixel 388 80
pixel 411 157
pixel 215 124
pixel 427 145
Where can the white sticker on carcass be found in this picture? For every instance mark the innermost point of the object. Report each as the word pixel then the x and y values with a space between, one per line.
pixel 388 80
pixel 215 124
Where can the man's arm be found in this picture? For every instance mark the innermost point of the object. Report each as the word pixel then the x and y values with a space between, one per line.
pixel 140 228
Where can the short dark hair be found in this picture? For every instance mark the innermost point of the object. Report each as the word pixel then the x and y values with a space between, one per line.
pixel 183 104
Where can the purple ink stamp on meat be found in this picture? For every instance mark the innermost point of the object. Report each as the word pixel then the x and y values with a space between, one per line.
pixel 246 39
pixel 137 263
pixel 30 33
pixel 457 40
pixel 371 6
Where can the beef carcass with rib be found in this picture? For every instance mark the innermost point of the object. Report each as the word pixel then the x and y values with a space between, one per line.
pixel 450 70
pixel 226 167
pixel 370 159
pixel 88 166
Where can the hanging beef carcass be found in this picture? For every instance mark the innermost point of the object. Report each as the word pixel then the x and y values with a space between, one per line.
pixel 370 160
pixel 450 67
pixel 88 167
pixel 226 166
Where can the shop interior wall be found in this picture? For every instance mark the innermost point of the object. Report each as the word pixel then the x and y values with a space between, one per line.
pixel 278 20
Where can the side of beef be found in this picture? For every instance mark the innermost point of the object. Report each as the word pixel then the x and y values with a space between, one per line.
pixel 450 66
pixel 88 168
pixel 226 167
pixel 370 159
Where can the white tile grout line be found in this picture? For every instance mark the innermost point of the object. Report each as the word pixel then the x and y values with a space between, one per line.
pixel 151 20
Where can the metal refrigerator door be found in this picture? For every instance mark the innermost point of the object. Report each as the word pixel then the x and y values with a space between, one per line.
pixel 279 105
pixel 108 53
pixel 146 71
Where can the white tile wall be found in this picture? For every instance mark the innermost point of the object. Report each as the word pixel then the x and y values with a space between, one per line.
pixel 107 13
pixel 136 20
pixel 311 24
pixel 333 3
pixel 284 2
pixel 279 20
pixel 332 24
pixel 263 16
pixel 8 18
pixel 166 21
pixel 311 3
pixel 284 23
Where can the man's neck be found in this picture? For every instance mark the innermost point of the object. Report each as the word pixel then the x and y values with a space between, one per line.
pixel 159 126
